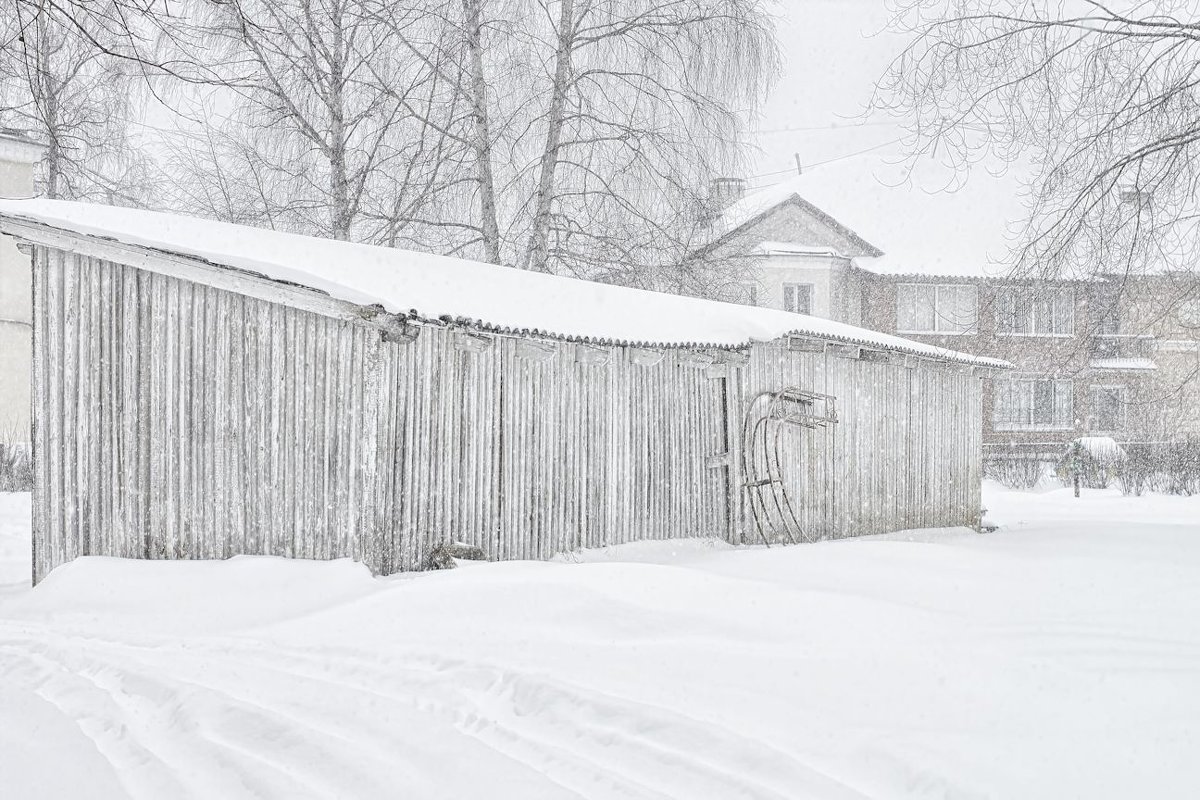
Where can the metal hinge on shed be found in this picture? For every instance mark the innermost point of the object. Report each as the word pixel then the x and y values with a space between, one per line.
pixel 645 356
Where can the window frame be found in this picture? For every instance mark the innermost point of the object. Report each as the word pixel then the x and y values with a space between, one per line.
pixel 1030 297
pixel 1065 423
pixel 970 329
pixel 750 290
pixel 1122 407
pixel 810 290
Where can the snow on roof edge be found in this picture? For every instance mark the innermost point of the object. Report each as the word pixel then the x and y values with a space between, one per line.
pixel 500 299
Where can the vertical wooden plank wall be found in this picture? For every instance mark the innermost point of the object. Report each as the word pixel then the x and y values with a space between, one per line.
pixel 182 421
pixel 527 449
pixel 906 451
pixel 177 420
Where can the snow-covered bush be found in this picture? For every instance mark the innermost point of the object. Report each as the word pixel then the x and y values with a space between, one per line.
pixel 1098 460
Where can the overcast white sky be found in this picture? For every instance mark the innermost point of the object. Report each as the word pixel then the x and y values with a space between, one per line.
pixel 835 50
pixel 833 54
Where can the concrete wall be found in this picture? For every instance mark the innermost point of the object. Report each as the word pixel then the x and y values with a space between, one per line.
pixel 16 180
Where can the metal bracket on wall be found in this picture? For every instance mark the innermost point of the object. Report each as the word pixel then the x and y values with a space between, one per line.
pixel 532 350
pixel 591 354
pixel 645 356
pixel 471 342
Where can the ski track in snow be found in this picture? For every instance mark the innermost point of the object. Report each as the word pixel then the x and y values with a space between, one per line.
pixel 1053 659
pixel 162 712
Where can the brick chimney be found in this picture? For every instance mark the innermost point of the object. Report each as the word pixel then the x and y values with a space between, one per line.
pixel 724 192
pixel 19 156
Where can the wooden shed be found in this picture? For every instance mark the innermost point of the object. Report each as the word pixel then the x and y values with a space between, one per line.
pixel 203 390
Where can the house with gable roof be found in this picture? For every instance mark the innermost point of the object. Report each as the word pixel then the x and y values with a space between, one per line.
pixel 792 255
pixel 1114 355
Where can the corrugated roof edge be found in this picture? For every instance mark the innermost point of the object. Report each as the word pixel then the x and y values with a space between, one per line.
pixel 923 352
pixel 972 276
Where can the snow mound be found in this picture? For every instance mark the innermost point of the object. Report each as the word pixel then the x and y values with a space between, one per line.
pixel 194 596
pixel 1053 659
pixel 1102 447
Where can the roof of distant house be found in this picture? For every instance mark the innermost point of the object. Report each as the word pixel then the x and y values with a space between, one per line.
pixel 757 206
pixel 919 227
pixel 437 287
pixel 20 146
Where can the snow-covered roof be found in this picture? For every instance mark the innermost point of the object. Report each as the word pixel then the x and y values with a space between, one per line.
pixel 1123 363
pixel 19 147
pixel 793 249
pixel 437 287
pixel 921 228
pixel 755 205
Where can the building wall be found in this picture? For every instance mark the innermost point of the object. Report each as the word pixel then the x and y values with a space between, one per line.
pixel 905 452
pixel 827 268
pixel 176 420
pixel 1155 306
pixel 833 292
pixel 1160 404
pixel 16 180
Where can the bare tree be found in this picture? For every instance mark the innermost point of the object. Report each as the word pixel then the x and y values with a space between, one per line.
pixel 309 123
pixel 596 124
pixel 1100 99
pixel 77 99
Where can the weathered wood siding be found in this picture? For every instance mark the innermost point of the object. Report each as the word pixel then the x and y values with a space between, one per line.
pixel 906 450
pixel 530 449
pixel 177 420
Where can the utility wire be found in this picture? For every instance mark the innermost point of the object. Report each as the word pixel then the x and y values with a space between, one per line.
pixel 828 160
pixel 833 126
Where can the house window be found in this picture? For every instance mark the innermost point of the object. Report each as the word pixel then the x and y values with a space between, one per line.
pixel 1035 403
pixel 936 308
pixel 750 293
pixel 1035 312
pixel 797 298
pixel 1108 408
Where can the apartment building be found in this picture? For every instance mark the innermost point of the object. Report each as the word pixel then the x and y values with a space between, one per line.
pixel 1114 355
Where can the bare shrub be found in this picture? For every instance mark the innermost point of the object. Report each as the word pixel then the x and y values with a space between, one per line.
pixel 1015 470
pixel 1166 467
pixel 16 468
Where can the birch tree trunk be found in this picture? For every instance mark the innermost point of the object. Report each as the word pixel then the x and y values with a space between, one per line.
pixel 481 132
pixel 341 214
pixel 49 103
pixel 538 249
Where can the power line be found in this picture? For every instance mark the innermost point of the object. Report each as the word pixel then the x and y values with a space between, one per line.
pixel 897 140
pixel 828 160
pixel 830 127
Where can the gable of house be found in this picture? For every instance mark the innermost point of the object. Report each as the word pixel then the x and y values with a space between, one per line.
pixel 757 225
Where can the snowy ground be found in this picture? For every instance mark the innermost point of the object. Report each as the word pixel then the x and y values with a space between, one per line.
pixel 1056 658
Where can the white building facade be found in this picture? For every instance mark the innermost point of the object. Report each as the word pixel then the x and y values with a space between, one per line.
pixel 18 158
